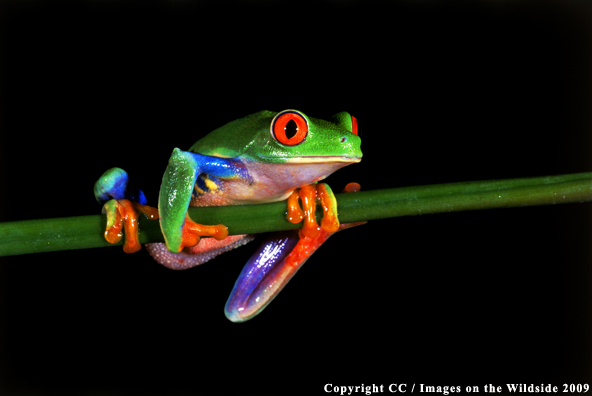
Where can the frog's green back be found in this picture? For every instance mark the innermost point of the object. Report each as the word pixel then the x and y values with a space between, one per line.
pixel 234 138
pixel 252 138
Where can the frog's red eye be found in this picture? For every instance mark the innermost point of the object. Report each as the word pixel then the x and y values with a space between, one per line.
pixel 355 130
pixel 289 127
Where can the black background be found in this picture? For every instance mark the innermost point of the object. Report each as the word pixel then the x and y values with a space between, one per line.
pixel 445 91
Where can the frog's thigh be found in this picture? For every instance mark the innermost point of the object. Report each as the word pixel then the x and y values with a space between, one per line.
pixel 205 250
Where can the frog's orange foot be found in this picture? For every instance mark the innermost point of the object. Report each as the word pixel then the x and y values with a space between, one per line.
pixel 122 214
pixel 192 232
pixel 309 195
pixel 352 187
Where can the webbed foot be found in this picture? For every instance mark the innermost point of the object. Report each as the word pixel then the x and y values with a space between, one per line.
pixel 122 204
pixel 192 232
pixel 309 196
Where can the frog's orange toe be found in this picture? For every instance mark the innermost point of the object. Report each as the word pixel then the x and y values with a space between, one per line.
pixel 114 233
pixel 352 187
pixel 192 232
pixel 308 195
pixel 122 214
pixel 295 214
pixel 330 223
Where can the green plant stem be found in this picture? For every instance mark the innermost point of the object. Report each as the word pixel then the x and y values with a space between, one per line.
pixel 43 235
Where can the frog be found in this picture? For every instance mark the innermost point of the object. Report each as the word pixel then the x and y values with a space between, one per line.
pixel 264 157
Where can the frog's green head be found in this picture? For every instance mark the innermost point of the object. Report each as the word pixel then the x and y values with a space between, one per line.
pixel 285 137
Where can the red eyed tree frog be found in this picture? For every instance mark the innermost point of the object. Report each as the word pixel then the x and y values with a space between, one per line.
pixel 264 157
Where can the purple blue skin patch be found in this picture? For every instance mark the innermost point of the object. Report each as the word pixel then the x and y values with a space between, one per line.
pixel 257 284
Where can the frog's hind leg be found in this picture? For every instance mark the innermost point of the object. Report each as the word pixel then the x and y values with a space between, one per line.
pixel 207 249
pixel 272 266
pixel 282 254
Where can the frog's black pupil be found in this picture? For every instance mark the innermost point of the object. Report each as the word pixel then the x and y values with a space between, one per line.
pixel 291 129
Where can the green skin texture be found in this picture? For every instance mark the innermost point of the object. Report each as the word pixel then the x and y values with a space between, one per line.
pixel 249 142
pixel 250 137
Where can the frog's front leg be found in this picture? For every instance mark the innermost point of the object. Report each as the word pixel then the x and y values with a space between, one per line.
pixel 179 180
pixel 121 203
pixel 309 195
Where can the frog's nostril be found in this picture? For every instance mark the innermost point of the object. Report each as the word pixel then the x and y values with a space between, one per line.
pixel 343 139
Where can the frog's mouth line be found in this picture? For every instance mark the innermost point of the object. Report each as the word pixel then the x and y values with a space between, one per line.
pixel 320 159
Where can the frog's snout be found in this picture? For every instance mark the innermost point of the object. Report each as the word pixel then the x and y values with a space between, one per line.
pixel 350 144
pixel 349 138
